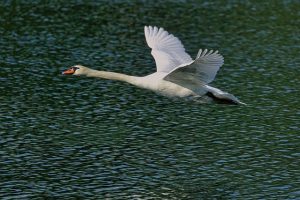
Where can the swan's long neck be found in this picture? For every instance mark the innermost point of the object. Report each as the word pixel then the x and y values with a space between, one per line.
pixel 111 76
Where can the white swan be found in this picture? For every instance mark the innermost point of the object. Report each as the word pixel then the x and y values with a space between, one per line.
pixel 177 74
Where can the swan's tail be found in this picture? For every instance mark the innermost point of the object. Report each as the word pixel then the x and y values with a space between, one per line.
pixel 221 96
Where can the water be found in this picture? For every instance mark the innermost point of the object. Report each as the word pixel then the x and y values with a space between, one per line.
pixel 80 138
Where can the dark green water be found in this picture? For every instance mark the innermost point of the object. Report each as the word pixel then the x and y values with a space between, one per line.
pixel 80 138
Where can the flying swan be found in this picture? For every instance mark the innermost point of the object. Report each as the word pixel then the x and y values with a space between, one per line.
pixel 177 75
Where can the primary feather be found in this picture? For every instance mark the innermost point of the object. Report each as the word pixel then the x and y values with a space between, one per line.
pixel 201 71
pixel 167 50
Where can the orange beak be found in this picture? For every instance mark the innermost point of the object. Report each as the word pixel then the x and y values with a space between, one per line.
pixel 69 71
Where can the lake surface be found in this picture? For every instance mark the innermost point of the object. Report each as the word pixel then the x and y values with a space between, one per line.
pixel 82 138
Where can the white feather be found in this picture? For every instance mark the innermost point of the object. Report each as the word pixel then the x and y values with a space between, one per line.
pixel 201 71
pixel 167 49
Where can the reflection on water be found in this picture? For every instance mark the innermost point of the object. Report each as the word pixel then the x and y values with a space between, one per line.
pixel 68 137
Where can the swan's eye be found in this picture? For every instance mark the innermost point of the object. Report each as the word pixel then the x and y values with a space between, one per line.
pixel 75 68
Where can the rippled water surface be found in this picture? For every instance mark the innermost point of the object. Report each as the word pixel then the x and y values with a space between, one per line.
pixel 83 138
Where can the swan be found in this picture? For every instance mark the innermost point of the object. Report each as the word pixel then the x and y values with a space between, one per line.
pixel 177 75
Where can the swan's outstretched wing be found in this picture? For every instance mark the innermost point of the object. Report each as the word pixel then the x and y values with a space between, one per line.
pixel 167 50
pixel 201 71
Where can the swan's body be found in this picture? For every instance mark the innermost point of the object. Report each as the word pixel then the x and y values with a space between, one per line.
pixel 177 74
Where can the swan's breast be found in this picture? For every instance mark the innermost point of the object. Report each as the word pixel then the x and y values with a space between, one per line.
pixel 164 87
pixel 156 83
pixel 173 90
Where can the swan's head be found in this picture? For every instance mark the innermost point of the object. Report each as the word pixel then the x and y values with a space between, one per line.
pixel 75 70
